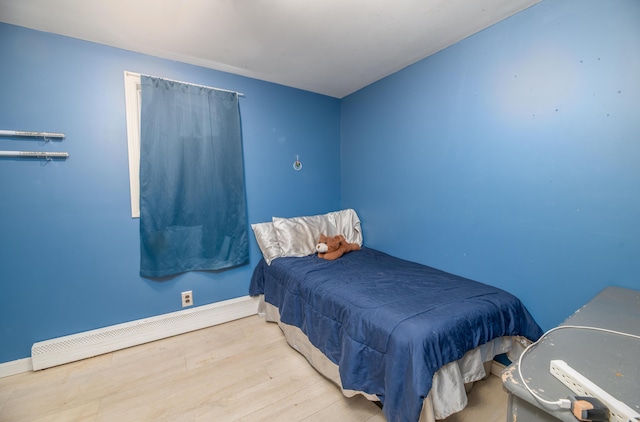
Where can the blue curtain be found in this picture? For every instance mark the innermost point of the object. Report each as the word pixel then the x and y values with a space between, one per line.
pixel 192 193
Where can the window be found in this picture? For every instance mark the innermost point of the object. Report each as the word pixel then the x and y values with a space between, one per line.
pixel 192 196
pixel 133 100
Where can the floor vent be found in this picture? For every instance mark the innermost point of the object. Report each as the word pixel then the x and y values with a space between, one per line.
pixel 61 350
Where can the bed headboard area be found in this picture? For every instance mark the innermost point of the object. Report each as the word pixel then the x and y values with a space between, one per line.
pixel 297 236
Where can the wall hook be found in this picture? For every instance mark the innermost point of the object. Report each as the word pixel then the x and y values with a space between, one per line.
pixel 297 165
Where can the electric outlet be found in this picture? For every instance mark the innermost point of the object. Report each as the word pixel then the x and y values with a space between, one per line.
pixel 187 298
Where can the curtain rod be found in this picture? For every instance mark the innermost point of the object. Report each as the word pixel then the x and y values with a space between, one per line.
pixel 31 134
pixel 240 94
pixel 33 154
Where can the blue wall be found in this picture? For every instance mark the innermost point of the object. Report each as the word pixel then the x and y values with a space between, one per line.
pixel 512 157
pixel 69 249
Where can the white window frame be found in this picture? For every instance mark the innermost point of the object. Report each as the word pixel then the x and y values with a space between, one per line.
pixel 133 101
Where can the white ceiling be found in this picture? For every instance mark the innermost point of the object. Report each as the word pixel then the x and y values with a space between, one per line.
pixel 332 47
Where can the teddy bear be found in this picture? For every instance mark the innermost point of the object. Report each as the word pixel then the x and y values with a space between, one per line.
pixel 333 247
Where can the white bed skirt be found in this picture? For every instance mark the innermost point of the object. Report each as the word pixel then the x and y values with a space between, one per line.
pixel 451 383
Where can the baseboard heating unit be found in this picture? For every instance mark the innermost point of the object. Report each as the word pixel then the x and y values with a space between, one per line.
pixel 61 350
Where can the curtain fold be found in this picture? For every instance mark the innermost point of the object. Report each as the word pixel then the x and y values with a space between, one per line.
pixel 192 192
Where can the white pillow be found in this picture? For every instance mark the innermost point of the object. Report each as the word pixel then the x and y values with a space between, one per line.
pixel 347 224
pixel 298 235
pixel 267 241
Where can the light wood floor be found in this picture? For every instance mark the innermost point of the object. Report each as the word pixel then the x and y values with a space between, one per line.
pixel 239 371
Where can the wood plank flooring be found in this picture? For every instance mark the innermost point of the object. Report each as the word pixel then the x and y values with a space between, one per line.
pixel 239 371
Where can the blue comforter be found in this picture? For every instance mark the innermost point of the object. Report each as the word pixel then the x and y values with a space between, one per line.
pixel 389 324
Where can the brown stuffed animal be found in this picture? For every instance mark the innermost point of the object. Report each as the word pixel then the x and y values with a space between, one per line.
pixel 334 247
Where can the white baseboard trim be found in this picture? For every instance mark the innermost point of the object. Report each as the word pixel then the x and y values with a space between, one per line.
pixel 84 345
pixel 95 342
pixel 15 367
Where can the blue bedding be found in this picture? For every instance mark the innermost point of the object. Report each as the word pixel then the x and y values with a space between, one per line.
pixel 389 324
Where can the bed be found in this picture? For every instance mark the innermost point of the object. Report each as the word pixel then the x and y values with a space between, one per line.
pixel 405 334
